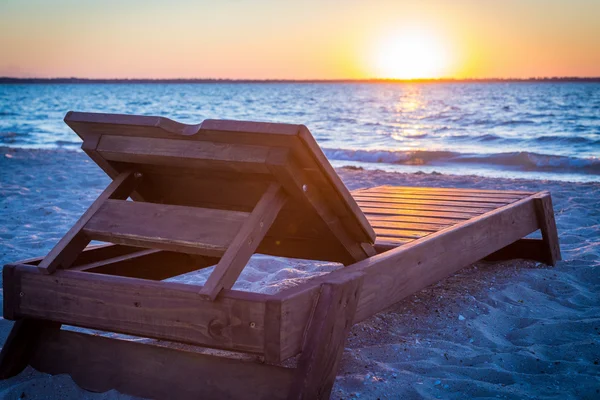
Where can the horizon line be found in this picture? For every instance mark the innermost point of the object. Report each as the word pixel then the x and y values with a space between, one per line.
pixel 8 79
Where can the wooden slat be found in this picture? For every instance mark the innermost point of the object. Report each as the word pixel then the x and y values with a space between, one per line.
pixel 401 233
pixel 438 202
pixel 421 189
pixel 421 262
pixel 99 364
pixel 418 213
pixel 456 196
pixel 424 207
pixel 161 310
pixel 184 153
pixel 68 248
pixel 176 228
pixel 415 219
pixel 407 225
pixel 245 243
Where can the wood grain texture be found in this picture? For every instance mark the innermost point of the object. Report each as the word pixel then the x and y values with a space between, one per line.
pixel 176 228
pixel 161 310
pixel 245 242
pixel 324 344
pixel 99 364
pixel 421 262
pixel 217 133
pixel 545 215
pixel 69 246
pixel 180 153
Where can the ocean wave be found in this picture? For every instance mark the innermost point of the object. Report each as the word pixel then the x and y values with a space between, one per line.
pixel 525 161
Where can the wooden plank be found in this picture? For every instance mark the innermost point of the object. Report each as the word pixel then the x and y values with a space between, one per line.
pixel 423 207
pixel 21 343
pixel 296 183
pixel 422 189
pixel 418 213
pixel 245 243
pixel 70 245
pixel 404 270
pixel 324 344
pixel 438 202
pixel 195 230
pixel 545 215
pixel 401 233
pixel 149 264
pixel 99 364
pixel 408 218
pixel 375 223
pixel 456 196
pixel 160 310
pixel 184 153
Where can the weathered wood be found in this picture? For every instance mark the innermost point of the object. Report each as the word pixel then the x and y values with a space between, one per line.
pixel 404 270
pixel 180 153
pixel 21 343
pixel 457 196
pixel 176 228
pixel 435 202
pixel 401 233
pixel 297 184
pixel 376 223
pixel 161 310
pixel 423 207
pixel 99 364
pixel 418 213
pixel 295 138
pixel 422 189
pixel 245 242
pixel 149 264
pixel 69 247
pixel 324 344
pixel 545 215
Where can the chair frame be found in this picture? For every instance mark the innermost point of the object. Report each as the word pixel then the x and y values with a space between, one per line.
pixel 118 288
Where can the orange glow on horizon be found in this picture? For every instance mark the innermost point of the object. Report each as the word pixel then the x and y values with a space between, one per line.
pixel 309 39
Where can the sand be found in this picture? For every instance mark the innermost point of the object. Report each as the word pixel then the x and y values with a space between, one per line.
pixel 507 330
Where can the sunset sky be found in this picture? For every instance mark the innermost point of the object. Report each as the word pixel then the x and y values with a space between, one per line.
pixel 309 39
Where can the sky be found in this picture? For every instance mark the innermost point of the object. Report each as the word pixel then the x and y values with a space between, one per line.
pixel 308 39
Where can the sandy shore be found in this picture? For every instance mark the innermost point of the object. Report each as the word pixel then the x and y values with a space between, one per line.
pixel 509 330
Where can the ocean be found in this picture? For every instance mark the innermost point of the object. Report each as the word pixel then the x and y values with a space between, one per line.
pixel 517 130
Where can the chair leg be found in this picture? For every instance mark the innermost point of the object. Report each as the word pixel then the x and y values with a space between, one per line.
pixel 324 343
pixel 545 216
pixel 21 344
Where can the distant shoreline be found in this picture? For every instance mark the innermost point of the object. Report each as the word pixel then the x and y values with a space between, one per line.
pixel 9 80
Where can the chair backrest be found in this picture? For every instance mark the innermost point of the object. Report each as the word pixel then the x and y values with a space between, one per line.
pixel 227 166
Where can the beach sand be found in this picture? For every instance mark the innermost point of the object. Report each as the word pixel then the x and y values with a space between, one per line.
pixel 508 330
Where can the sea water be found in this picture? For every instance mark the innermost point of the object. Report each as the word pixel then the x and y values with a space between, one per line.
pixel 519 129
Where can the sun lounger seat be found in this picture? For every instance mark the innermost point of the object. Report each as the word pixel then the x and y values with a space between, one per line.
pixel 188 197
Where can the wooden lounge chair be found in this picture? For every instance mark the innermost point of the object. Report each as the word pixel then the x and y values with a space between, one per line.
pixel 214 194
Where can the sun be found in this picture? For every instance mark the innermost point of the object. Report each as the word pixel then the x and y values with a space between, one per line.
pixel 411 54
